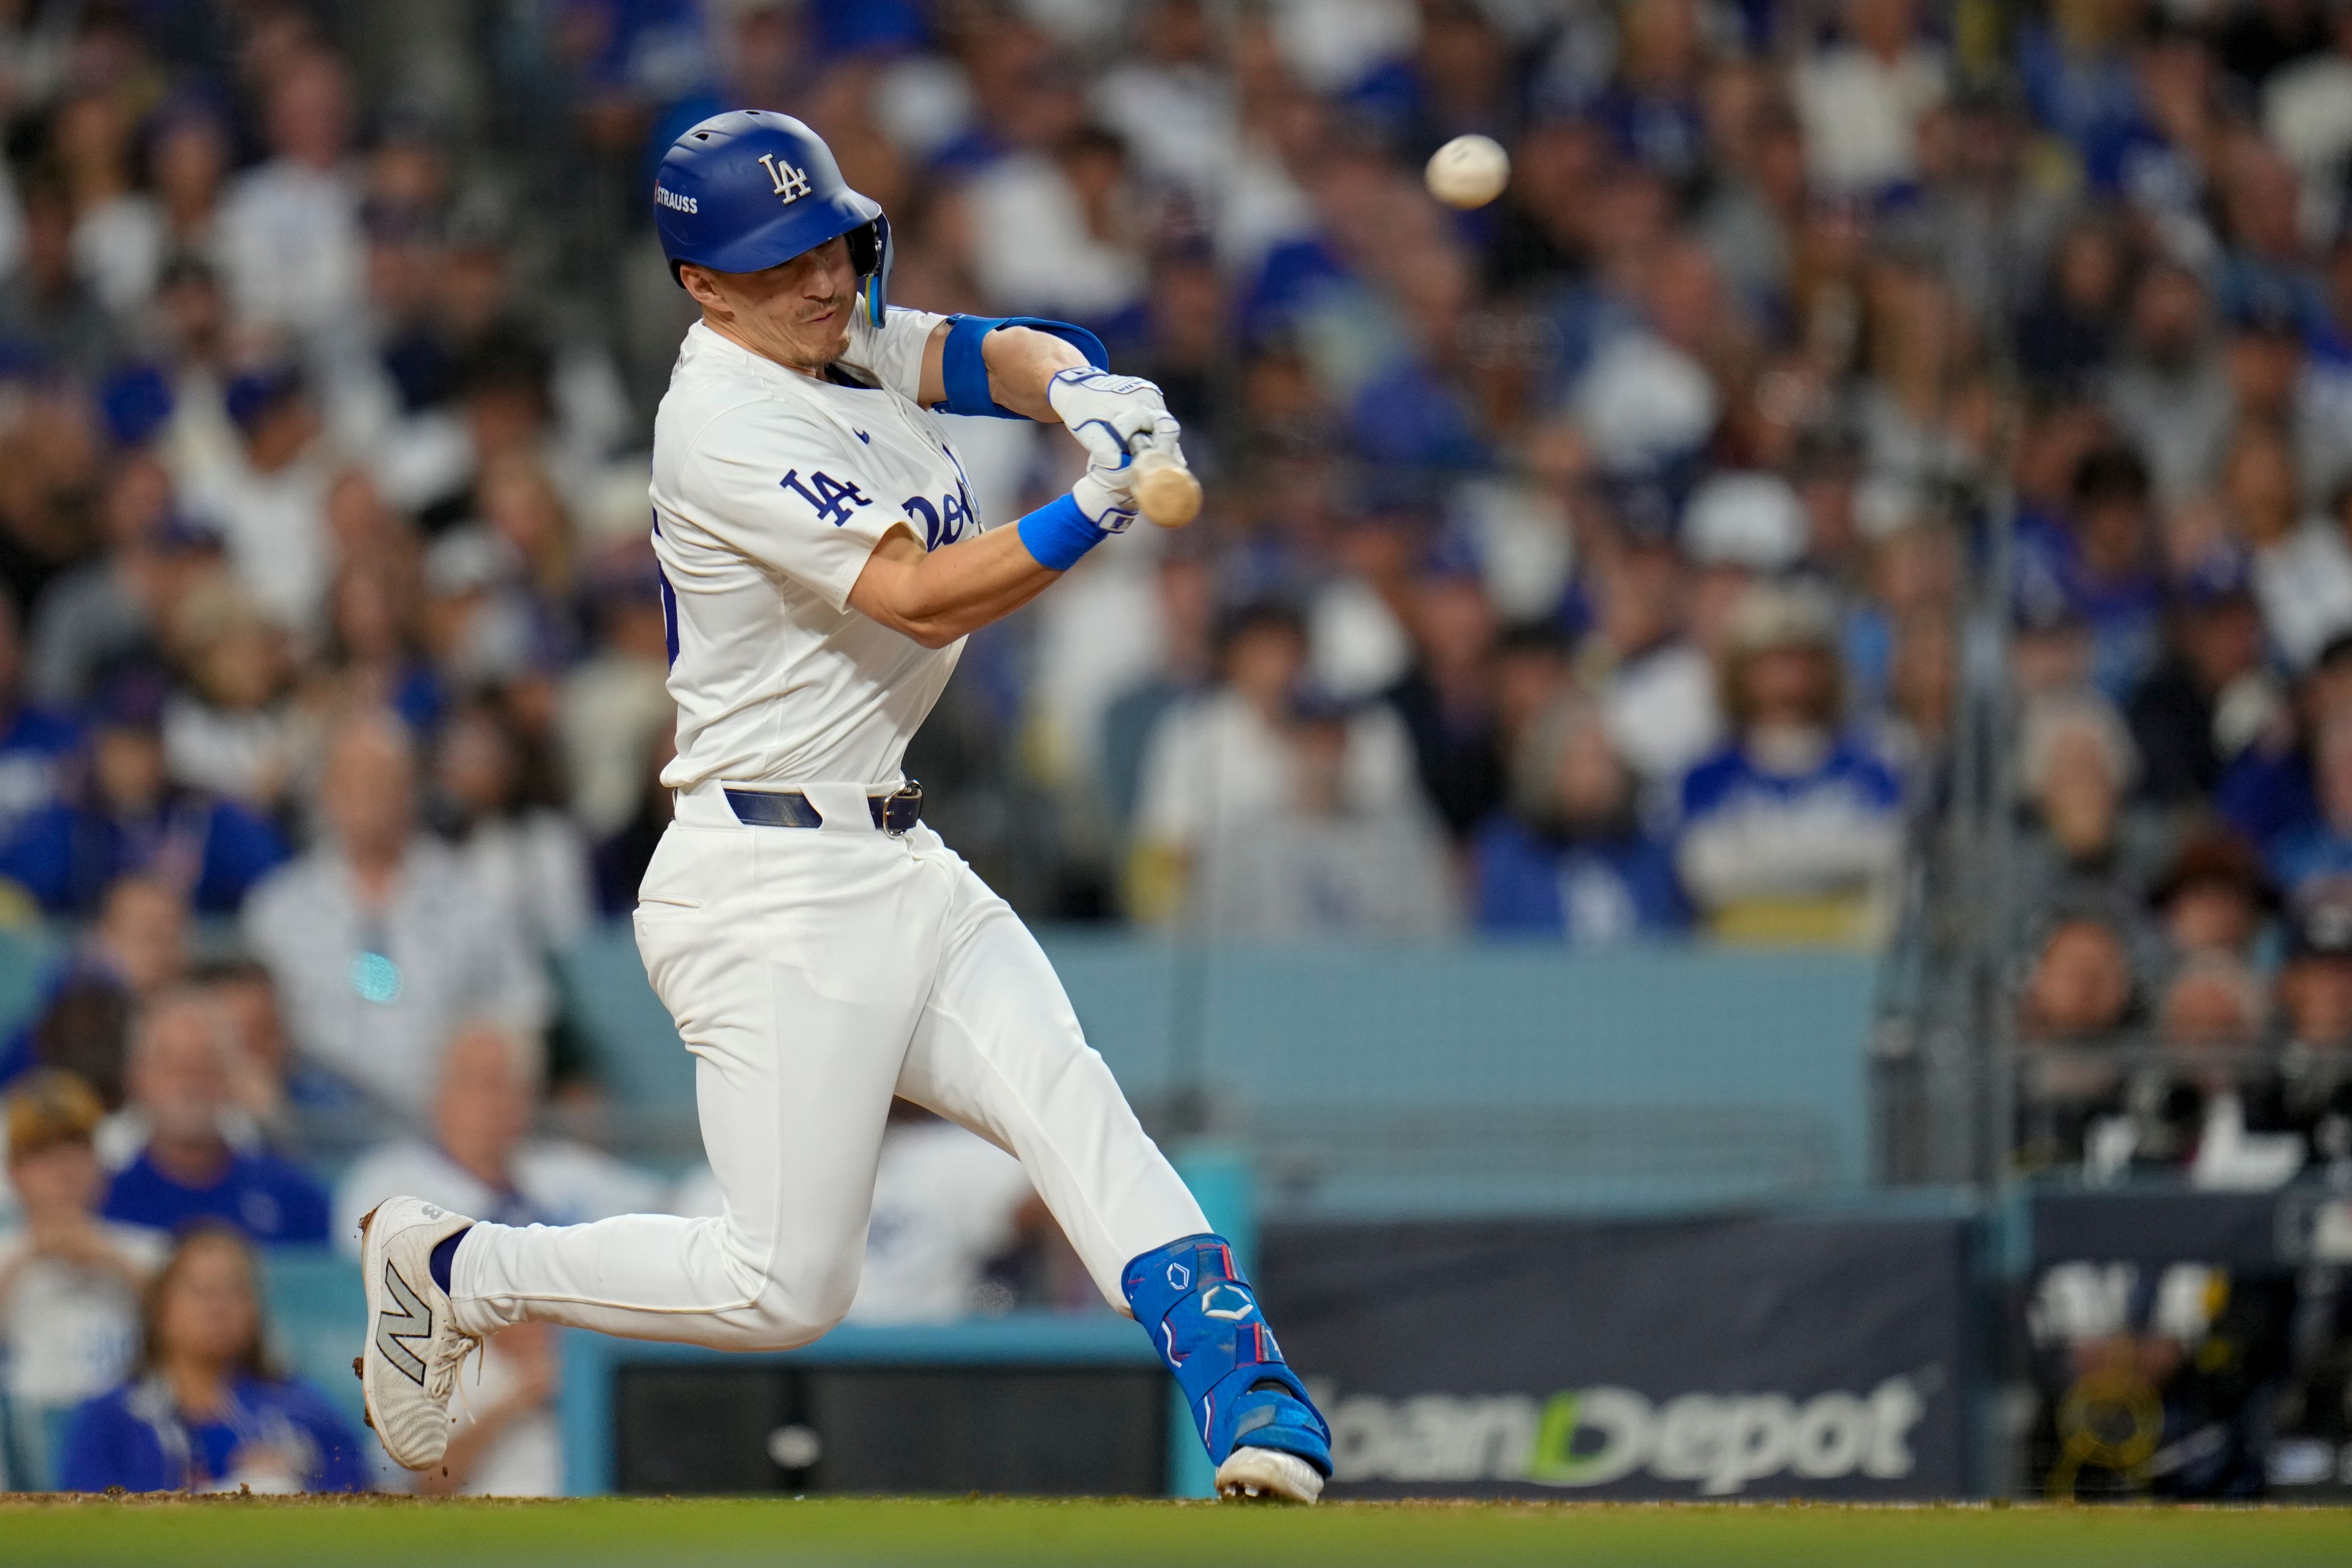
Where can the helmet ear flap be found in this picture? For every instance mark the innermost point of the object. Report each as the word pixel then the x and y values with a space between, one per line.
pixel 864 249
pixel 869 256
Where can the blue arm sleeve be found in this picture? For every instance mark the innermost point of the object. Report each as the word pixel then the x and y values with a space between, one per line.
pixel 966 373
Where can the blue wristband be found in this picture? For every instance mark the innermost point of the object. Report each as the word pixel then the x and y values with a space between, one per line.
pixel 1057 534
pixel 966 372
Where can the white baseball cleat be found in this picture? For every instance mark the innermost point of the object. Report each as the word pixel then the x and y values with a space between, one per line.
pixel 1268 1473
pixel 409 1364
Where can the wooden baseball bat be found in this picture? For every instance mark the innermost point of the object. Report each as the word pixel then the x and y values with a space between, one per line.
pixel 1166 490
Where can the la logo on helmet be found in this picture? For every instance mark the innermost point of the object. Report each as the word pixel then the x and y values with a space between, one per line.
pixel 792 184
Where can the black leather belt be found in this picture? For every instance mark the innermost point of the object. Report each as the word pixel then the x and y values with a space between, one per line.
pixel 893 814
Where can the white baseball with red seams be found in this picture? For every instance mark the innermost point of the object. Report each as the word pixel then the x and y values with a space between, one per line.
pixel 815 973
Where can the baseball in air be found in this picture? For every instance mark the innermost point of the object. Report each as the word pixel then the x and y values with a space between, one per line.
pixel 1469 172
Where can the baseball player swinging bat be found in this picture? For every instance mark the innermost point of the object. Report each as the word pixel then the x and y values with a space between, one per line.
pixel 820 948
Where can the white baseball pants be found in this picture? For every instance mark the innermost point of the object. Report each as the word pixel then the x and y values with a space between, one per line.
pixel 815 973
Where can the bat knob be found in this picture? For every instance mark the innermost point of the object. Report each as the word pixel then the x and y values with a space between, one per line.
pixel 1165 489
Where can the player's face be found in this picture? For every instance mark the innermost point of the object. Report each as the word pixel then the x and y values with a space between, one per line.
pixel 796 313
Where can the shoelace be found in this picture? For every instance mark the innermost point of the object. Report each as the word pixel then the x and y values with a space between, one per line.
pixel 441 1373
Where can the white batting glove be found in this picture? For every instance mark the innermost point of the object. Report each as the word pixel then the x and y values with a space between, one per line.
pixel 1105 491
pixel 1114 416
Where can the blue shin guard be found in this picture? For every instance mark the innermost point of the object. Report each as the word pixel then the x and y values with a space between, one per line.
pixel 1203 1317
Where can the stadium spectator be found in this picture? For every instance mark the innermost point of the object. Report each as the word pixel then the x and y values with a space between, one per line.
pixel 380 940
pixel 375 645
pixel 511 836
pixel 1320 862
pixel 2210 698
pixel 105 618
pixel 269 491
pixel 2079 982
pixel 1230 760
pixel 2214 897
pixel 2268 790
pixel 183 1055
pixel 1185 592
pixel 2080 989
pixel 136 948
pixel 1863 97
pixel 1446 697
pixel 69 1281
pixel 1792 831
pixel 45 304
pixel 1570 858
pixel 2082 835
pixel 130 817
pixel 269 1092
pixel 2168 394
pixel 204 1410
pixel 1656 683
pixel 232 731
pixel 2321 846
pixel 287 231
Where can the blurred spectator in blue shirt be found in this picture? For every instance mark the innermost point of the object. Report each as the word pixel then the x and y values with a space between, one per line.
pixel 2320 849
pixel 2268 790
pixel 1791 832
pixel 1570 858
pixel 128 818
pixel 206 1412
pixel 179 1077
pixel 2099 561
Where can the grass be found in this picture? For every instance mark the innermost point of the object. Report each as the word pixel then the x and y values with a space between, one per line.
pixel 870 1532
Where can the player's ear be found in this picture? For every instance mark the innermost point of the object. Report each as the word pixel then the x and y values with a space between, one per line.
pixel 701 287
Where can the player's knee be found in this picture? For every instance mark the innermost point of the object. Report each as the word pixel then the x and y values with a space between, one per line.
pixel 789 1313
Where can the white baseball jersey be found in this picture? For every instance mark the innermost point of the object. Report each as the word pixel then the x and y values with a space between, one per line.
pixel 770 488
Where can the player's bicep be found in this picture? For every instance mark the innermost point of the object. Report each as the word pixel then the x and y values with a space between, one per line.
pixel 904 354
pixel 884 589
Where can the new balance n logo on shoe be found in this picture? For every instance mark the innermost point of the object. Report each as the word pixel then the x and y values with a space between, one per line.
pixel 413 1322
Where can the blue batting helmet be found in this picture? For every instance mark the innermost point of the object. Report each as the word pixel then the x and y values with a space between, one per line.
pixel 748 189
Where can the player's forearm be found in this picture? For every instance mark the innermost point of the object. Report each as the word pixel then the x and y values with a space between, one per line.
pixel 951 592
pixel 1020 361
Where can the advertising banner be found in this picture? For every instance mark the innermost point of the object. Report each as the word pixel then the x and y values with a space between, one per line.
pixel 1720 1359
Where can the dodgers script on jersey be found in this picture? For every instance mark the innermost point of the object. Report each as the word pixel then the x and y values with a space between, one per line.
pixel 771 490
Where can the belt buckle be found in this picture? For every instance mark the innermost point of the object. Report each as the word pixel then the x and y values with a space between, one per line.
pixel 911 795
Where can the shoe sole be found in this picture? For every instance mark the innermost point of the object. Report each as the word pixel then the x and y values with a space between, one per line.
pixel 1268 1474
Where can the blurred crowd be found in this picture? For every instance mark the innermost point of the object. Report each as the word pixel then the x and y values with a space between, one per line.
pixel 1591 566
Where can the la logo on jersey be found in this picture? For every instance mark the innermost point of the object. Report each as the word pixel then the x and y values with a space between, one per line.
pixel 792 184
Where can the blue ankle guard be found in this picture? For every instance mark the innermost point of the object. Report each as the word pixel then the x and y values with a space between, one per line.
pixel 1203 1319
